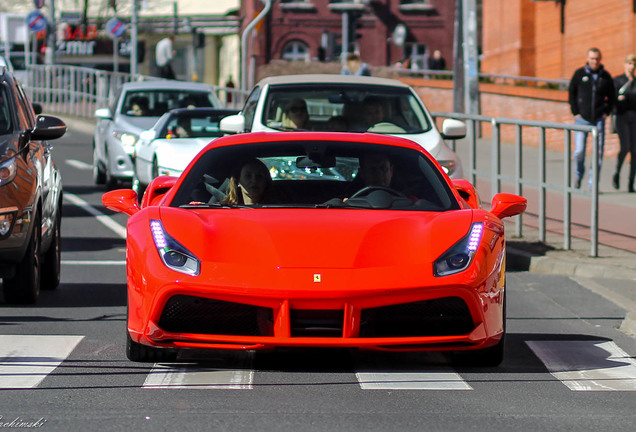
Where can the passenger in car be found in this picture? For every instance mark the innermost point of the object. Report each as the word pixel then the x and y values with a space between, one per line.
pixel 337 124
pixel 184 128
pixel 295 114
pixel 139 106
pixel 250 184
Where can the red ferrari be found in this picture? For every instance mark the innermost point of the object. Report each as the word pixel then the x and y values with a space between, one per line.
pixel 315 240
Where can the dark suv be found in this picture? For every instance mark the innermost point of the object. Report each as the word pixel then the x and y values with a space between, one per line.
pixel 30 196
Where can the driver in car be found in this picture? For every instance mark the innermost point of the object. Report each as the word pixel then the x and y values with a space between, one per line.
pixel 376 169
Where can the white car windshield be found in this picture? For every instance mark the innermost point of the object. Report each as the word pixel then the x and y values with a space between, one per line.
pixel 344 108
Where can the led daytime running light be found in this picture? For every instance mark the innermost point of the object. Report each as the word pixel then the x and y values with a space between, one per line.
pixel 158 234
pixel 475 237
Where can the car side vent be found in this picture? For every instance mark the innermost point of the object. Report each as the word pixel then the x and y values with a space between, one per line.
pixel 188 314
pixel 439 317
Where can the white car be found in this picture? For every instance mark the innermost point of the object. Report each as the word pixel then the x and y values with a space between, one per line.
pixel 173 142
pixel 136 109
pixel 346 103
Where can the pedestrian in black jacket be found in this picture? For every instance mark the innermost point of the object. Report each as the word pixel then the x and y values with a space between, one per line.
pixel 591 100
pixel 625 117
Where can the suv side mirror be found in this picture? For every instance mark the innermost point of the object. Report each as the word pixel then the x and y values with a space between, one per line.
pixel 48 127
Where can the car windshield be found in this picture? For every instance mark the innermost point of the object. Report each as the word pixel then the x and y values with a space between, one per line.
pixel 154 103
pixel 316 174
pixel 340 107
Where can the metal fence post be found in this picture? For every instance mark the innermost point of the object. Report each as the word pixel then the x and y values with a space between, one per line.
pixel 567 187
pixel 542 185
pixel 495 169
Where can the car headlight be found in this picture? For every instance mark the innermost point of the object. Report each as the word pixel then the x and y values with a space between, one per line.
pixel 461 254
pixel 448 166
pixel 8 169
pixel 172 253
pixel 7 219
pixel 127 139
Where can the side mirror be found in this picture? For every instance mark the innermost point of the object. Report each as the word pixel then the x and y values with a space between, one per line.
pixel 147 135
pixel 507 205
pixel 103 113
pixel 453 129
pixel 121 201
pixel 468 192
pixel 232 124
pixel 47 128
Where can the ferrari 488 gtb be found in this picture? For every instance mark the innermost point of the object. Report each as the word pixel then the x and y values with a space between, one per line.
pixel 315 239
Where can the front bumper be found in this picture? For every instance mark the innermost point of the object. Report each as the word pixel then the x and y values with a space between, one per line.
pixel 438 319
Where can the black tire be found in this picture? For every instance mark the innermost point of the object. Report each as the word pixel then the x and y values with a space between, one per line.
pixel 110 182
pixel 155 168
pixel 99 176
pixel 51 265
pixel 141 353
pixel 24 286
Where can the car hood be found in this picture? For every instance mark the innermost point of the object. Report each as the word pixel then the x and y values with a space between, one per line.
pixel 176 153
pixel 316 238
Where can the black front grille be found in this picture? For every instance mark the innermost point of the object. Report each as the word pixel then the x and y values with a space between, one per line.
pixel 440 317
pixel 316 323
pixel 187 314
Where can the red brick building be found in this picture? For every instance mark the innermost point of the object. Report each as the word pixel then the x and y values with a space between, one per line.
pixel 311 29
pixel 550 38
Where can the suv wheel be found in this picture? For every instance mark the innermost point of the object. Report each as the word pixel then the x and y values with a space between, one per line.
pixel 52 257
pixel 24 286
pixel 99 176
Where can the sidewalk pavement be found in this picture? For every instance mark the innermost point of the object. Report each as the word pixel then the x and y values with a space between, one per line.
pixel 612 274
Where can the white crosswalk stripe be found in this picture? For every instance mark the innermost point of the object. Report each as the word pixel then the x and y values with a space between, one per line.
pixel 25 360
pixel 434 380
pixel 588 365
pixel 196 376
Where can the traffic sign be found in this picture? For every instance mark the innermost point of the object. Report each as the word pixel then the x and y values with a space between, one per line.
pixel 115 27
pixel 36 21
pixel 39 4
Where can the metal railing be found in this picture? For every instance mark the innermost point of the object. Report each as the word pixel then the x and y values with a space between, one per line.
pixel 520 174
pixel 79 91
pixel 526 81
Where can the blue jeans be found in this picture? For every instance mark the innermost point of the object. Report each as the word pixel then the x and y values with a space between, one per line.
pixel 580 145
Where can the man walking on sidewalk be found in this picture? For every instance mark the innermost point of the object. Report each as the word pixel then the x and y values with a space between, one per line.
pixel 591 99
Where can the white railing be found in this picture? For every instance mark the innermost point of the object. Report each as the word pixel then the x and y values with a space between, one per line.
pixel 79 91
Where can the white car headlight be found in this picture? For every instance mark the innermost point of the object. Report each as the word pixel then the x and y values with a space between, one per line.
pixel 172 253
pixel 461 254
pixel 127 139
pixel 8 170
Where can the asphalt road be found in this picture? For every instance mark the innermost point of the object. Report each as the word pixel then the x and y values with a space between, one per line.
pixel 63 366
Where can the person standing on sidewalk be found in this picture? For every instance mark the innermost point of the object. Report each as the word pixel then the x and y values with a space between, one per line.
pixel 164 52
pixel 591 98
pixel 625 116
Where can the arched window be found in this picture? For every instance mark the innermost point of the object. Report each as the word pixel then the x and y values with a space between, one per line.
pixel 296 51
